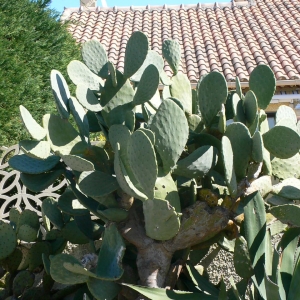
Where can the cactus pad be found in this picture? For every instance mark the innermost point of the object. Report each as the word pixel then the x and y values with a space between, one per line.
pixel 61 274
pixel 87 98
pixel 165 227
pixel 103 289
pixel 135 53
pixel 227 155
pixel 35 130
pixel 61 93
pixel 14 215
pixel 99 157
pixel 166 189
pixel 116 100
pixel 39 182
pixel 80 118
pixel 78 163
pixel 286 168
pixel 8 240
pixel 285 112
pixel 77 269
pixel 35 254
pixel 181 89
pixel 257 147
pixel 288 122
pixel 30 218
pixel 79 73
pixel 114 214
pixel 141 156
pixel 12 262
pixel 62 136
pixel 250 107
pixel 97 183
pixel 51 210
pixel 198 163
pixel 241 144
pixel 288 188
pixel 152 58
pixel 35 149
pixel 212 93
pixel 95 57
pixel 124 180
pixel 69 204
pixel 73 234
pixel 23 281
pixel 29 165
pixel 27 234
pixel 282 142
pixel 147 86
pixel 109 265
pixel 172 53
pixel 238 87
pixel 288 213
pixel 195 123
pixel 238 109
pixel 170 127
pixel 263 83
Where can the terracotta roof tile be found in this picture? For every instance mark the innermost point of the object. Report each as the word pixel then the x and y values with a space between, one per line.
pixel 231 38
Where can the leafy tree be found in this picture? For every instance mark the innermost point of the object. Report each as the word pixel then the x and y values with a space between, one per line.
pixel 32 42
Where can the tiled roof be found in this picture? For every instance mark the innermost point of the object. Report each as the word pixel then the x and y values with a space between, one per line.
pixel 231 38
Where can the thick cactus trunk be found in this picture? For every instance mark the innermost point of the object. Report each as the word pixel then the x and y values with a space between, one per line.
pixel 153 264
pixel 199 224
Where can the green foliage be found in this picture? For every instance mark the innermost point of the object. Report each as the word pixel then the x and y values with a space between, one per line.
pixel 162 186
pixel 32 43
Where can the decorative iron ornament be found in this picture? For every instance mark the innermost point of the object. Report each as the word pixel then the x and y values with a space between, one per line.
pixel 14 194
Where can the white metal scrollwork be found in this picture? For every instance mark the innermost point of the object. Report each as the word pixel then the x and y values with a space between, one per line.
pixel 14 194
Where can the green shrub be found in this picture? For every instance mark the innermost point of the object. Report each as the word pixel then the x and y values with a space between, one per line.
pixel 32 42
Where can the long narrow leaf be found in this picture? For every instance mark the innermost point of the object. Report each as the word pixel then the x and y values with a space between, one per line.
pixel 202 283
pixel 163 294
pixel 288 244
pixel 294 291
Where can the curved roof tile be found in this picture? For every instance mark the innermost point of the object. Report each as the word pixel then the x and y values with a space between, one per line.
pixel 229 37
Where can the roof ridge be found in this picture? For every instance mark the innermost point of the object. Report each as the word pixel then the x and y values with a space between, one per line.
pixel 216 4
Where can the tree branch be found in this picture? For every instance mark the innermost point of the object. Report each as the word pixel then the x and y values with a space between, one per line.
pixel 199 223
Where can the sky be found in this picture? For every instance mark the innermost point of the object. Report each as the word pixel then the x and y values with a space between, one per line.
pixel 60 4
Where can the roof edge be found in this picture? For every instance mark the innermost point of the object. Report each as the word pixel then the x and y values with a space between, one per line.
pixel 245 84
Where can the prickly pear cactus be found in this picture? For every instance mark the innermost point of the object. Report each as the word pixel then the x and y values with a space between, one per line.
pixel 171 176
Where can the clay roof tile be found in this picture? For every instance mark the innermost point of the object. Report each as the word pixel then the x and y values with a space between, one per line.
pixel 232 39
